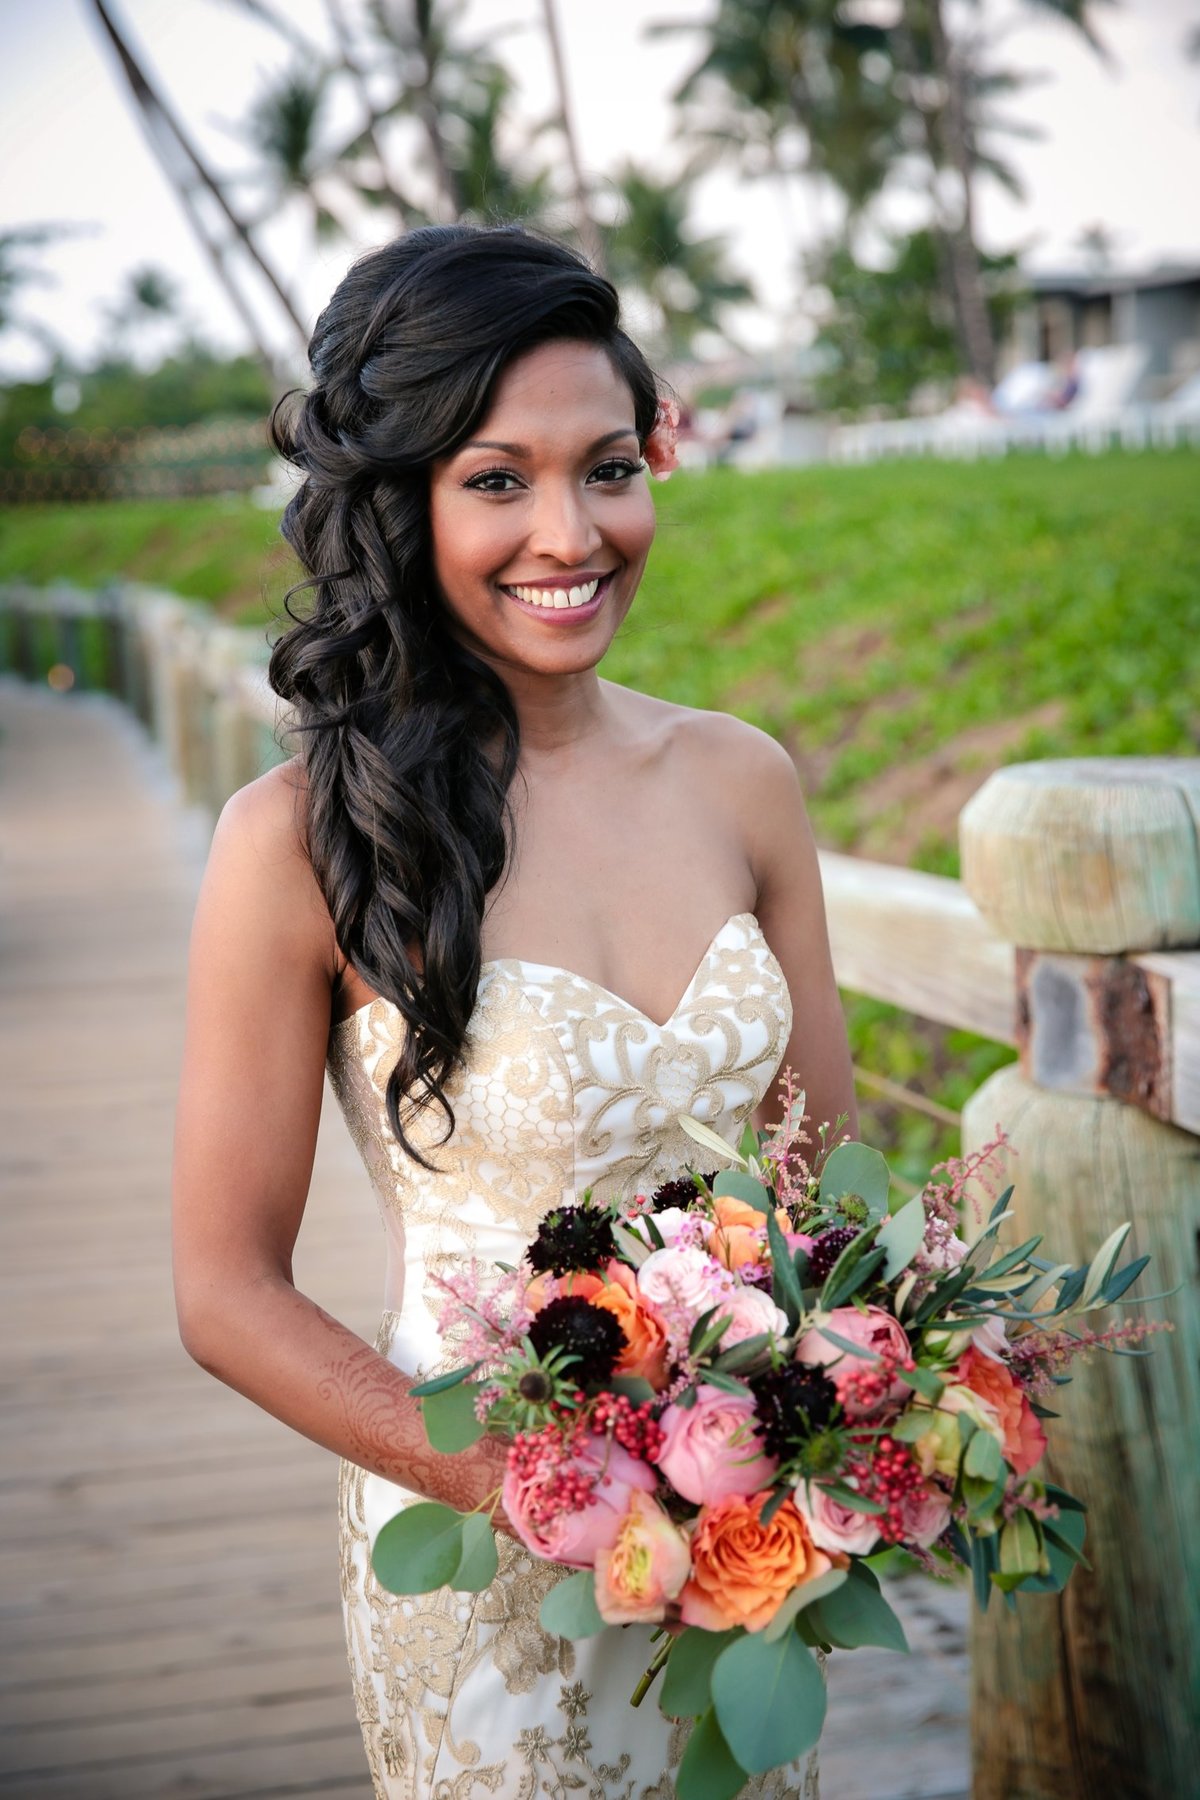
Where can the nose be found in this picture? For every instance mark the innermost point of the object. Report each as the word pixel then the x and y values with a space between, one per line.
pixel 563 526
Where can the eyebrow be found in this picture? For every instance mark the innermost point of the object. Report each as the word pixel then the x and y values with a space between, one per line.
pixel 610 437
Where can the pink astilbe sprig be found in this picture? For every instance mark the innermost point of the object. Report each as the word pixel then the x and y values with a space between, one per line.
pixel 483 1315
pixel 1038 1356
pixel 949 1187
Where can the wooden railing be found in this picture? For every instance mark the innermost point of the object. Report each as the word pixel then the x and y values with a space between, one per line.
pixel 1072 935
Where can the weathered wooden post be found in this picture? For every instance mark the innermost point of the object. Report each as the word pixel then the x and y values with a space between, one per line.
pixel 236 732
pixel 1095 1694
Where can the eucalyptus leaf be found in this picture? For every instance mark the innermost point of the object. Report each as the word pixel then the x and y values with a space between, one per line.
pixel 479 1561
pixel 708 1770
pixel 801 1597
pixel 859 1170
pixel 857 1614
pixel 901 1237
pixel 685 1689
pixel 705 1136
pixel 419 1549
pixel 769 1698
pixel 927 1382
pixel 740 1186
pixel 449 1418
pixel 984 1459
pixel 569 1609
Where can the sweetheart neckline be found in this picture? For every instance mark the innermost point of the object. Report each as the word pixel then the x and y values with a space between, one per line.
pixel 527 962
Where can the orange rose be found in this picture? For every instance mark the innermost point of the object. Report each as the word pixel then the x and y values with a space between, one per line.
pixel 645 1351
pixel 579 1282
pixel 733 1245
pixel 1024 1438
pixel 743 1570
pixel 728 1210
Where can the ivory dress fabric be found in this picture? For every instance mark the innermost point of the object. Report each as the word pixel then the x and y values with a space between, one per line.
pixel 565 1086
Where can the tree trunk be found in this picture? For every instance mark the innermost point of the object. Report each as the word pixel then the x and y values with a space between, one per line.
pixel 971 308
pixel 589 234
pixel 354 70
pixel 154 111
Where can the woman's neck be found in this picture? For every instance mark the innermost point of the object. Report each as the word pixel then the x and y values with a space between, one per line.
pixel 556 713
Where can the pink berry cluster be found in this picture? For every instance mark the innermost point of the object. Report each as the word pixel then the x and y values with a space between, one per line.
pixel 868 1387
pixel 540 1461
pixel 633 1427
pixel 890 1476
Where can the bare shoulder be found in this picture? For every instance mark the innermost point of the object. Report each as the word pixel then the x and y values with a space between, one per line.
pixel 716 746
pixel 259 864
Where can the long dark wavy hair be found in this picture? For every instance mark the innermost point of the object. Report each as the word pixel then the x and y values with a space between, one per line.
pixel 409 741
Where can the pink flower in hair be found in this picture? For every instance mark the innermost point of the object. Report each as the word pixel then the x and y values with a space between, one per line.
pixel 660 450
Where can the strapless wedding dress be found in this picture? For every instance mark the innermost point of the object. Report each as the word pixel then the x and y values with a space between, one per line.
pixel 565 1086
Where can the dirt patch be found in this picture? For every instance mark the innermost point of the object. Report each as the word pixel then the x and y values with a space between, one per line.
pixel 844 650
pixel 921 799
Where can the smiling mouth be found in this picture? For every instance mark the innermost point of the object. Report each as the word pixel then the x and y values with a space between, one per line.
pixel 561 599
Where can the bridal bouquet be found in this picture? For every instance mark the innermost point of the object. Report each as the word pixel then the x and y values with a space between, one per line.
pixel 727 1400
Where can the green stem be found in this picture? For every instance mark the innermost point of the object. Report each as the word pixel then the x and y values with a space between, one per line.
pixel 657 1661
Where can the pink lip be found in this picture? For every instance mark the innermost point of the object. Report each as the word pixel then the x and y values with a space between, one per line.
pixel 564 615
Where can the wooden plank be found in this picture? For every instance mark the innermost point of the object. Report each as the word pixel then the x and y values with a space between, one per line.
pixel 920 942
pixel 167 1551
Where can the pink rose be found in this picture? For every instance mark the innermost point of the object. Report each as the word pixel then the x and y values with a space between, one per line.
pixel 750 1312
pixel 875 1331
pixel 668 1223
pixel 660 451
pixel 646 1566
pixel 574 1536
pixel 683 1276
pixel 924 1517
pixel 832 1524
pixel 712 1449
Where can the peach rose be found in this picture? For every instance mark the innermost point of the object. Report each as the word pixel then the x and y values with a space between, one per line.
pixel 645 1351
pixel 1024 1438
pixel 645 1567
pixel 740 1233
pixel 743 1570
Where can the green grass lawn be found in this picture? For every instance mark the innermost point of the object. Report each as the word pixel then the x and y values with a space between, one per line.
pixel 903 627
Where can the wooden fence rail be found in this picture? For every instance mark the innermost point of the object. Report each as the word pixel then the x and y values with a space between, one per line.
pixel 1074 935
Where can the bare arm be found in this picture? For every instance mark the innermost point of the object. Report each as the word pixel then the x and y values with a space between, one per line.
pixel 260 977
pixel 791 911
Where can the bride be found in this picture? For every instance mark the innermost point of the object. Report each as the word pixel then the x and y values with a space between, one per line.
pixel 523 916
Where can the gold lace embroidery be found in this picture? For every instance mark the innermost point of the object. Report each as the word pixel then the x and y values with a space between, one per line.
pixel 563 1085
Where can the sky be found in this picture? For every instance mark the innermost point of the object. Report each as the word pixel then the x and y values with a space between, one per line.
pixel 1119 144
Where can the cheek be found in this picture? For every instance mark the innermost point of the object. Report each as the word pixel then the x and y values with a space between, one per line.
pixel 635 533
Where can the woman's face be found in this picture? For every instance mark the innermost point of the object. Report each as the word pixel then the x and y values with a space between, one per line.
pixel 542 522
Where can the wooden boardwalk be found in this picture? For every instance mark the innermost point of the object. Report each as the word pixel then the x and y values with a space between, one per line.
pixel 169 1622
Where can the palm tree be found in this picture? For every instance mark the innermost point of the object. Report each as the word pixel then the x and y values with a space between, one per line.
pixel 683 280
pixel 794 88
pixel 590 235
pixel 189 174
pixel 952 116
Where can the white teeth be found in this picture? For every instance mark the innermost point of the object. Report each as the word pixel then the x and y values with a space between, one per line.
pixel 557 597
